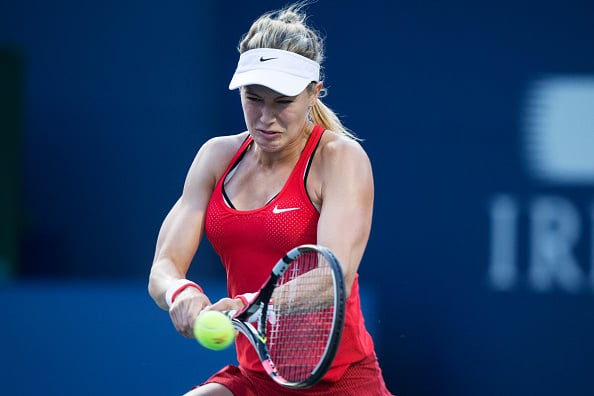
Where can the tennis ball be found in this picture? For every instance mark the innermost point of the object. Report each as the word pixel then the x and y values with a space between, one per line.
pixel 214 330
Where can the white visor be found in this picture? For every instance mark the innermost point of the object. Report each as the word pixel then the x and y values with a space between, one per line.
pixel 282 71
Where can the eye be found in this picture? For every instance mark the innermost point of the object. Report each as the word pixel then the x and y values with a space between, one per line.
pixel 253 98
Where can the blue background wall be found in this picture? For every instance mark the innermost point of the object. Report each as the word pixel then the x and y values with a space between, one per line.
pixel 452 100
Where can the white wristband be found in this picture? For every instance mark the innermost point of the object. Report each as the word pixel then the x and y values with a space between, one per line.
pixel 177 287
pixel 247 298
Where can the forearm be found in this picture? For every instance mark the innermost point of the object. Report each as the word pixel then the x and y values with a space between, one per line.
pixel 163 275
pixel 176 245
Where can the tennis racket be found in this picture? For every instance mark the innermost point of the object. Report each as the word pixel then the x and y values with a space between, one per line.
pixel 298 315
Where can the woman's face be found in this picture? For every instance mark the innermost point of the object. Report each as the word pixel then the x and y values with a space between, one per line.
pixel 275 120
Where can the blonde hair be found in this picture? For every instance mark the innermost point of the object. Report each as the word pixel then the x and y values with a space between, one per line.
pixel 287 29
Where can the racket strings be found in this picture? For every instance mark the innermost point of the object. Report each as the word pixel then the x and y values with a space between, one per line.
pixel 303 305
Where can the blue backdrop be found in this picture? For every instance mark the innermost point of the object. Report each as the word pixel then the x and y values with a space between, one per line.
pixel 479 122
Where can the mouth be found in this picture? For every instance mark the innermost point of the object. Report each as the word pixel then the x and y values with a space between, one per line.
pixel 268 133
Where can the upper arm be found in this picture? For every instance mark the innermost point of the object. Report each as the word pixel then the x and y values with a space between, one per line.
pixel 183 227
pixel 347 193
pixel 181 230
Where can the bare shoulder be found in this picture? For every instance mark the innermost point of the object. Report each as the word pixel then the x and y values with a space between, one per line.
pixel 340 164
pixel 214 156
pixel 340 150
pixel 222 147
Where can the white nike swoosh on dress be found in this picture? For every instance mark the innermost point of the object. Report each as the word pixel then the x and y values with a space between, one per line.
pixel 276 210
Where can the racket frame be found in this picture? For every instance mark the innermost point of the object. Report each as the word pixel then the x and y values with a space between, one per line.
pixel 257 336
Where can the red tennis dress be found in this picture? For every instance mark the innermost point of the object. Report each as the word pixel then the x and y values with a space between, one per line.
pixel 249 243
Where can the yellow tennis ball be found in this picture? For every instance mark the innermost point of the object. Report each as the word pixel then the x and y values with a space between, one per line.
pixel 214 330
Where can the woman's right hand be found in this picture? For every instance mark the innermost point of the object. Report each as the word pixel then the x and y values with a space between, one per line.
pixel 186 307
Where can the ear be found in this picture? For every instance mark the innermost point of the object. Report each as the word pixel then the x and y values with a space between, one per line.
pixel 316 93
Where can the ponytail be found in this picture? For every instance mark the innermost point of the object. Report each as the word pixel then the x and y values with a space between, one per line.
pixel 325 117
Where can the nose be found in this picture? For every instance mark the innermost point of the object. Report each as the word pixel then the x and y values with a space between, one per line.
pixel 268 114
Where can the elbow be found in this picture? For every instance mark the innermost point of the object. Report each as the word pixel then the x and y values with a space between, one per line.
pixel 348 283
pixel 152 288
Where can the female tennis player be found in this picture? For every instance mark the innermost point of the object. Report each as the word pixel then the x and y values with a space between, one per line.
pixel 296 176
